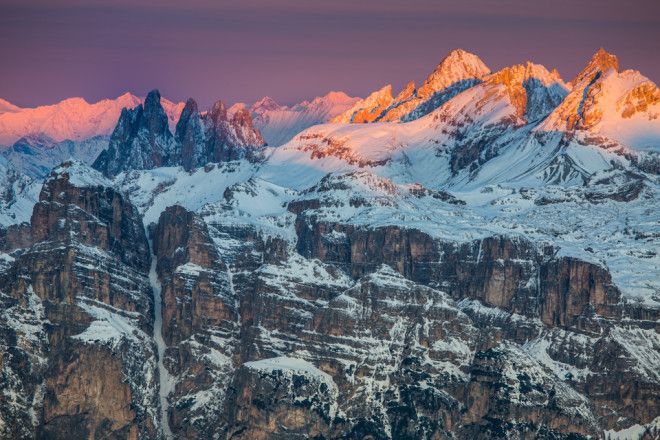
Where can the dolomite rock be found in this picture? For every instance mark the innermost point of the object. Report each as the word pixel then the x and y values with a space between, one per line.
pixel 200 322
pixel 216 136
pixel 511 274
pixel 141 140
pixel 78 298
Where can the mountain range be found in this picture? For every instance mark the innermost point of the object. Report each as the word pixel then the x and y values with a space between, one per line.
pixel 476 257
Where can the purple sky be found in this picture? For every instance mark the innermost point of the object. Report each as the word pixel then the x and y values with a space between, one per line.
pixel 291 50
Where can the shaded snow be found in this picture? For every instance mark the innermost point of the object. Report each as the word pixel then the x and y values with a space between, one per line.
pixel 80 175
pixel 165 381
pixel 295 366
pixel 278 124
pixel 110 325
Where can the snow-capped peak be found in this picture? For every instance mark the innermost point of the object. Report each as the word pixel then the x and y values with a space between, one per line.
pixel 622 106
pixel 369 108
pixel 600 62
pixel 333 97
pixel 520 73
pixel 279 123
pixel 457 66
pixel 458 71
pixel 236 107
pixel 73 118
pixel 264 104
pixel 531 88
pixel 8 107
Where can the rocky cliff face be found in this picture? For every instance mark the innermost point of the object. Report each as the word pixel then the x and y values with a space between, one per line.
pixel 510 274
pixel 216 136
pixel 142 139
pixel 343 331
pixel 200 322
pixel 391 333
pixel 77 317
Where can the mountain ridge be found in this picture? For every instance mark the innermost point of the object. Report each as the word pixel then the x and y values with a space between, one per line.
pixel 72 118
pixel 486 268
pixel 143 140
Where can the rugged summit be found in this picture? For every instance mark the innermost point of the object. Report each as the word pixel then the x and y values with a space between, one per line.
pixel 142 139
pixel 458 71
pixel 606 102
pixel 215 136
pixel 231 137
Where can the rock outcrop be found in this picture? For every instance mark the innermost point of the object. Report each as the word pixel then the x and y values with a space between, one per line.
pixel 142 139
pixel 216 136
pixel 200 322
pixel 78 298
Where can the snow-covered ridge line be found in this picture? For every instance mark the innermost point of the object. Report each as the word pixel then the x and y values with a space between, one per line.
pixel 279 123
pixel 72 119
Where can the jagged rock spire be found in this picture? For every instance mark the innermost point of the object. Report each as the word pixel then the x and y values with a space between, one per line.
pixel 189 136
pixel 457 71
pixel 231 137
pixel 600 62
pixel 141 139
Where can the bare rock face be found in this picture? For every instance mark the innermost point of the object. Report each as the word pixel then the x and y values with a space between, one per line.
pixel 78 299
pixel 188 263
pixel 514 292
pixel 15 237
pixel 503 272
pixel 189 135
pixel 77 202
pixel 600 62
pixel 141 140
pixel 531 89
pixel 511 396
pixel 200 322
pixel 639 99
pixel 574 289
pixel 216 136
pixel 350 332
pixel 282 398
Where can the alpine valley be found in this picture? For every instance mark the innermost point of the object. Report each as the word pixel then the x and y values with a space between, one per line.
pixel 475 257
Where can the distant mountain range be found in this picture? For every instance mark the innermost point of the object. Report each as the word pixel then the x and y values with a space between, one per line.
pixel 73 119
pixel 279 123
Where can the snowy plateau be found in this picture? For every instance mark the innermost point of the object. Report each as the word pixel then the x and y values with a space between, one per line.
pixel 476 257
